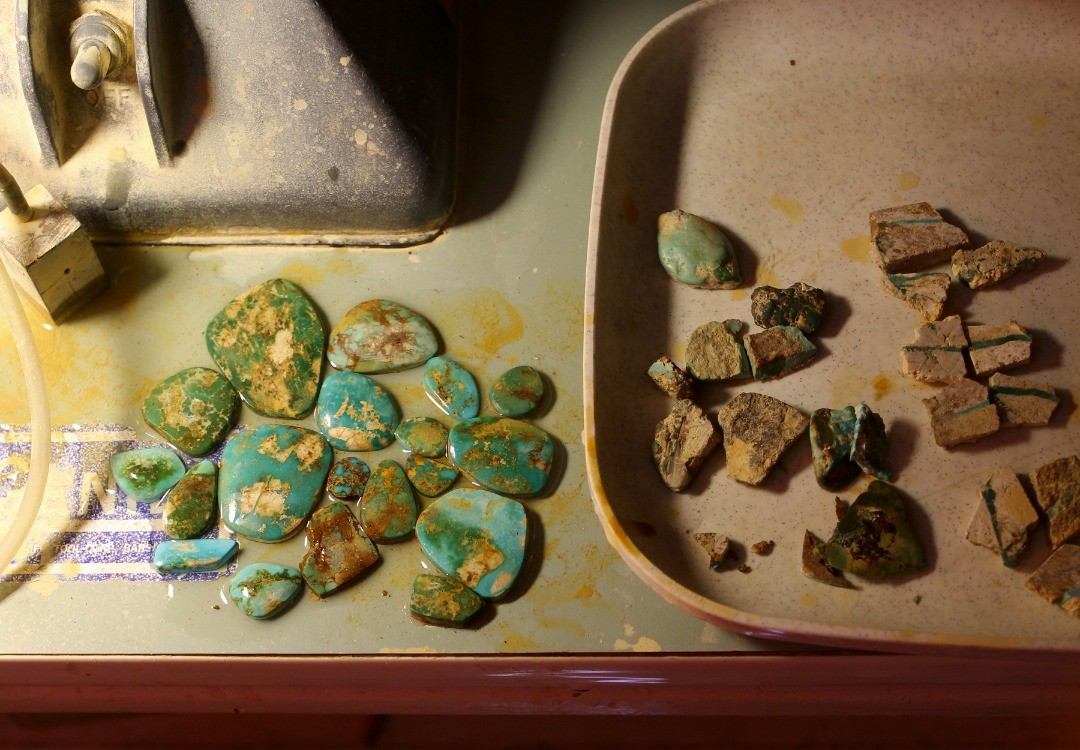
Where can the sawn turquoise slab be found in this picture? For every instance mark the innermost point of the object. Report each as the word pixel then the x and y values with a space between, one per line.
pixel 502 454
pixel 355 413
pixel 193 555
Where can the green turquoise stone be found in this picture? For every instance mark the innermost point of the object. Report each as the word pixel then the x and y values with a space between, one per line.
pixel 832 432
pixel 338 549
pixel 501 454
pixel 777 351
pixel 870 446
pixel 430 476
pixel 194 555
pixel 270 479
pixel 355 413
pixel 694 251
pixel 517 391
pixel 381 336
pixel 265 590
pixel 452 388
pixel 348 477
pixel 424 436
pixel 148 473
pixel 874 537
pixel 269 342
pixel 439 600
pixel 190 505
pixel 477 537
pixel 388 510
pixel 192 409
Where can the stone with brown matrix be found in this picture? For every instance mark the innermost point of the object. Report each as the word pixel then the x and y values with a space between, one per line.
pixel 913 237
pixel 684 439
pixel 757 430
pixel 962 413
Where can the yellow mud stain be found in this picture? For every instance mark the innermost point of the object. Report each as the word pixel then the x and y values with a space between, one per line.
pixel 644 644
pixel 908 181
pixel 409 393
pixel 766 277
pixel 857 248
pixel 586 591
pixel 789 207
pixel 629 630
pixel 302 274
pixel 630 210
pixel 509 639
pixel 882 386
pixel 44 586
pixel 678 350
pixel 477 322
pixel 1038 121
pixel 808 600
pixel 562 623
pixel 738 294
pixel 847 387
pixel 895 198
pixel 299 105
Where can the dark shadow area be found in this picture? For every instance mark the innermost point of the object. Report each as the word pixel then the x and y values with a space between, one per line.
pixel 1046 353
pixel 747 258
pixel 547 401
pixel 837 313
pixel 181 88
pixel 793 461
pixel 534 557
pixel 131 272
pixel 559 460
pixel 903 434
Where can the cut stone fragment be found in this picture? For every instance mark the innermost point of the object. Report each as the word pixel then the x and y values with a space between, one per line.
pixel 716 545
pixel 814 565
pixel 502 454
pixel 764 547
pixel 1022 403
pixel 757 430
pixel 800 305
pixel 477 537
pixel 874 538
pixel 388 510
pixel 1057 490
pixel 147 473
pixel 452 388
pixel 381 336
pixel 993 262
pixel 832 432
pixel 671 379
pixel 937 353
pixel 517 391
pixel 190 505
pixel 695 252
pixel 430 476
pixel 715 352
pixel 961 413
pixel 995 348
pixel 1004 518
pixel 270 479
pixel 265 590
pixel 438 600
pixel 778 351
pixel 192 409
pixel 355 413
pixel 912 237
pixel 1058 576
pixel 269 342
pixel 870 447
pixel 338 550
pixel 683 440
pixel 348 478
pixel 193 555
pixel 424 436
pixel 925 292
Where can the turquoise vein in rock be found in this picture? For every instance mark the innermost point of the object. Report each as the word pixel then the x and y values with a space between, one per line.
pixel 442 601
pixel 348 478
pixel 269 342
pixel 501 454
pixel 270 480
pixel 477 537
pixel 452 388
pixel 148 473
pixel 423 435
pixel 264 590
pixel 192 409
pixel 355 413
pixel 517 391
pixel 193 555
pixel 381 336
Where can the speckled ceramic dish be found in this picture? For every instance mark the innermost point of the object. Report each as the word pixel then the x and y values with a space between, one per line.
pixel 786 123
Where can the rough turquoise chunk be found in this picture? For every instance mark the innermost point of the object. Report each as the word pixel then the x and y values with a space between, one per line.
pixel 423 435
pixel 192 409
pixel 381 336
pixel 270 479
pixel 695 252
pixel 439 600
pixel 431 477
pixel 477 537
pixel 193 555
pixel 874 538
pixel 355 413
pixel 871 446
pixel 832 433
pixel 388 510
pixel 148 473
pixel 269 342
pixel 265 590
pixel 190 505
pixel 338 550
pixel 502 454
pixel 777 351
pixel 348 478
pixel 452 388
pixel 517 391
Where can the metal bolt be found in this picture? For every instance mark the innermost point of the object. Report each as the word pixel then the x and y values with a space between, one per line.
pixel 99 47
pixel 13 196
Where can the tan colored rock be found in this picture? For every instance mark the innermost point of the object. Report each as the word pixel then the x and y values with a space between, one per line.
pixel 937 353
pixel 1004 518
pixel 1058 576
pixel 1022 403
pixel 1057 490
pixel 913 237
pixel 962 413
pixel 684 439
pixel 925 292
pixel 716 545
pixel 715 352
pixel 994 348
pixel 757 430
pixel 993 262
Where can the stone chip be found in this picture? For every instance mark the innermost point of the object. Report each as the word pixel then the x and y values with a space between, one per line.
pixel 1057 490
pixel 1022 403
pixel 715 352
pixel 994 348
pixel 962 413
pixel 924 292
pixel 757 429
pixel 799 305
pixel 683 440
pixel 913 237
pixel 993 262
pixel 1004 518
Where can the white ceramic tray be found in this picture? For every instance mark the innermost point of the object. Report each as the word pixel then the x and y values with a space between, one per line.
pixel 787 123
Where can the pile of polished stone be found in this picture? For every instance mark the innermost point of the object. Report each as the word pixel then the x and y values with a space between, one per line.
pixel 269 344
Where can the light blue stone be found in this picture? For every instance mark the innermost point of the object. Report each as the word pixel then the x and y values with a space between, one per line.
pixel 423 435
pixel 193 555
pixel 381 336
pixel 502 454
pixel 452 388
pixel 264 590
pixel 355 413
pixel 148 473
pixel 270 479
pixel 477 537
pixel 517 391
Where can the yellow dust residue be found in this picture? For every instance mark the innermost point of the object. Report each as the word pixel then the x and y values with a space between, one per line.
pixel 509 639
pixel 738 294
pixel 630 210
pixel 586 591
pixel 562 623
pixel 338 266
pixel 857 248
pixel 808 600
pixel 678 350
pixel 882 386
pixel 789 207
pixel 1038 122
pixel 766 277
pixel 413 650
pixel 303 274
pixel 847 386
pixel 629 630
pixel 299 105
pixel 908 181
pixel 480 321
pixel 644 644
pixel 44 586
pixel 118 154
pixel 409 393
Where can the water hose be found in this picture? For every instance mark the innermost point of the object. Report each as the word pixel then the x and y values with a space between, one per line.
pixel 40 427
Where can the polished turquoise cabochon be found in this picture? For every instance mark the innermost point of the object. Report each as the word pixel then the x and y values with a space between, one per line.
pixel 355 413
pixel 264 590
pixel 502 454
